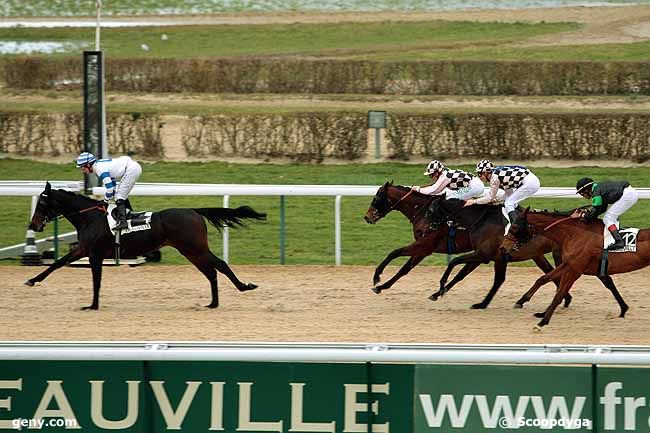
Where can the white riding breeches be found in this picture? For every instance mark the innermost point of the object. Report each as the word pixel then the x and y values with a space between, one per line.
pixel 627 200
pixel 473 190
pixel 131 175
pixel 528 188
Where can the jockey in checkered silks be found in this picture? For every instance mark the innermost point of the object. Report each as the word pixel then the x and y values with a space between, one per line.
pixel 517 181
pixel 452 183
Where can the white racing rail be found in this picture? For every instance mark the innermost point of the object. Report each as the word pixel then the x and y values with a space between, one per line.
pixel 327 352
pixel 34 188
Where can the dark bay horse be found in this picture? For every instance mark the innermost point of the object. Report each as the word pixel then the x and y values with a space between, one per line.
pixel 414 206
pixel 183 229
pixel 582 246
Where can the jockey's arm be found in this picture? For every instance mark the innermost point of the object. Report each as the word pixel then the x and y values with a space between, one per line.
pixel 436 188
pixel 109 184
pixel 491 195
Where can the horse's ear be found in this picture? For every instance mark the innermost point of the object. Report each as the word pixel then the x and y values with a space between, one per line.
pixel 526 211
pixel 390 183
pixel 48 187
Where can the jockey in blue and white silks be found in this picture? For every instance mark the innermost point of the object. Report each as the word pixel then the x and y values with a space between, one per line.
pixel 110 171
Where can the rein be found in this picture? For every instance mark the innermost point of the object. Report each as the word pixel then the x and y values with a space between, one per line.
pixel 84 210
pixel 400 200
pixel 415 215
pixel 556 223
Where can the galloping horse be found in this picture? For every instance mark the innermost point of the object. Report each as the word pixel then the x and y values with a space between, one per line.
pixel 582 246
pixel 413 205
pixel 183 229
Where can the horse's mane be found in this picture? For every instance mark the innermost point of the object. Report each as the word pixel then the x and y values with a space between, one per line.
pixel 73 195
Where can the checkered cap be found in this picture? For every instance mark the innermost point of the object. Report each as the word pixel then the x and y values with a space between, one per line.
pixel 484 165
pixel 85 158
pixel 433 167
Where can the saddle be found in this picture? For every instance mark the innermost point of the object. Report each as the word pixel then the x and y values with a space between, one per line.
pixel 137 221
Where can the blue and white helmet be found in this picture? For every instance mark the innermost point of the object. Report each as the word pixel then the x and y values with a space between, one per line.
pixel 434 166
pixel 85 158
pixel 484 166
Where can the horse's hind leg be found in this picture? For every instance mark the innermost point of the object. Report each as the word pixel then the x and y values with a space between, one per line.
pixel 609 283
pixel 203 264
pixel 225 269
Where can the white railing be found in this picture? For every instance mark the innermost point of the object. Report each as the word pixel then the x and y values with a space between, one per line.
pixel 34 188
pixel 327 352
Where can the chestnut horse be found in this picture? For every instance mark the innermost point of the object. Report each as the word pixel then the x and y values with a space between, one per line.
pixel 581 244
pixel 414 206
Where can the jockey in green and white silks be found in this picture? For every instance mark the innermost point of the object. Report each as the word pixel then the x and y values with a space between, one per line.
pixel 453 183
pixel 619 194
pixel 110 171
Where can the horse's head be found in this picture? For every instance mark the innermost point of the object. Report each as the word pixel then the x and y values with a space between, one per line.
pixel 380 206
pixel 45 211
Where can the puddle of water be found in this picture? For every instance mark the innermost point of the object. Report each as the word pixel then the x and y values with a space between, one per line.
pixel 14 47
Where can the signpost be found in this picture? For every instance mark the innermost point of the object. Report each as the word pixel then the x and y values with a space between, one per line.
pixel 377 121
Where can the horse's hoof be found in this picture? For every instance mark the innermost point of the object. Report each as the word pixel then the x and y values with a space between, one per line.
pixel 376 280
pixel 479 306
pixel 246 287
pixel 90 307
pixel 623 311
pixel 537 328
pixel 376 290
pixel 518 305
pixel 212 305
pixel 30 283
pixel 539 315
pixel 434 296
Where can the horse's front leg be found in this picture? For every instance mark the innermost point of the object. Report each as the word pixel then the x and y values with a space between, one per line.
pixel 73 255
pixel 569 276
pixel 544 279
pixel 467 258
pixel 96 261
pixel 410 264
pixel 399 252
pixel 460 276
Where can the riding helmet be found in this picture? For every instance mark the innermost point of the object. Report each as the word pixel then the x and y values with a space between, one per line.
pixel 583 183
pixel 434 166
pixel 484 165
pixel 85 158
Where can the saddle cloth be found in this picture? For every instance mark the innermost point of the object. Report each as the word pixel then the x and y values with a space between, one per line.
pixel 629 237
pixel 136 221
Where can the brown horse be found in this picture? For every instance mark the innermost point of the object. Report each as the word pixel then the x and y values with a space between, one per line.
pixel 582 247
pixel 414 206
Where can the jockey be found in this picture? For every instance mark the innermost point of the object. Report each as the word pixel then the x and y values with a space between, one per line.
pixel 619 194
pixel 109 171
pixel 517 181
pixel 454 183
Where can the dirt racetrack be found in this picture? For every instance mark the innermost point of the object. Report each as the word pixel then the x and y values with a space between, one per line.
pixel 310 303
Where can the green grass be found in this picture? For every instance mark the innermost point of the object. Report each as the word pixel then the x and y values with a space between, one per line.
pixel 310 220
pixel 330 40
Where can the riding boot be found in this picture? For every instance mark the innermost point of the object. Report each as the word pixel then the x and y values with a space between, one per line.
pixel 509 242
pixel 618 240
pixel 121 215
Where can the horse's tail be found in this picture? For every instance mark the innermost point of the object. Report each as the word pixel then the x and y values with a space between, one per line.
pixel 221 217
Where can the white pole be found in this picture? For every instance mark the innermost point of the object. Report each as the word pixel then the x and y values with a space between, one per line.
pixel 337 229
pixel 226 234
pixel 98 6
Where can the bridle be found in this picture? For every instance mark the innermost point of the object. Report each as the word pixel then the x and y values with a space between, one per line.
pixel 49 218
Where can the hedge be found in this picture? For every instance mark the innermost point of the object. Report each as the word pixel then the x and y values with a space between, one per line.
pixel 339 76
pixel 312 137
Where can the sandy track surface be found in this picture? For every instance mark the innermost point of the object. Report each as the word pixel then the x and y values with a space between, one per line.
pixel 310 303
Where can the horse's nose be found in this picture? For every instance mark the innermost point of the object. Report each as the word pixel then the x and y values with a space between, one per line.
pixel 368 220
